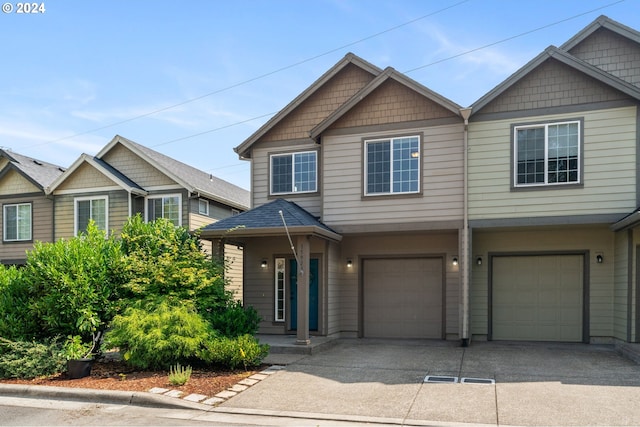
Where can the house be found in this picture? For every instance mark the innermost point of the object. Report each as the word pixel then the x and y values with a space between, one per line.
pixel 126 178
pixel 553 195
pixel 359 181
pixel 27 212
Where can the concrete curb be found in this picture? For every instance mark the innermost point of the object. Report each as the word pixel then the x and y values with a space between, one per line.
pixel 135 398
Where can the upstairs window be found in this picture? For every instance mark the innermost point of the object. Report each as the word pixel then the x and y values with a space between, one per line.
pixel 90 208
pixel 294 173
pixel 203 207
pixel 17 222
pixel 547 154
pixel 392 166
pixel 168 206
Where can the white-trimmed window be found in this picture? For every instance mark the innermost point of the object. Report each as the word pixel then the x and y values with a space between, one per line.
pixel 294 173
pixel 167 206
pixel 392 166
pixel 547 154
pixel 203 207
pixel 17 222
pixel 91 208
pixel 279 310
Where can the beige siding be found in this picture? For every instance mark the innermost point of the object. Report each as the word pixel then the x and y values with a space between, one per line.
pixel 592 239
pixel 609 170
pixel 197 221
pixel 42 227
pixel 85 176
pixel 65 215
pixel 135 168
pixel 442 181
pixel 15 183
pixel 337 292
pixel 621 272
pixel 234 260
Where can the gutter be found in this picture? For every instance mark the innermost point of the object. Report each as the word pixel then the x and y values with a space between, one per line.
pixel 465 113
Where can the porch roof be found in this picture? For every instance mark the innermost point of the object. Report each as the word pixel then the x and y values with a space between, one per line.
pixel 265 220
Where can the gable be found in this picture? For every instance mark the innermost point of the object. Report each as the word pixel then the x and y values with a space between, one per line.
pixel 552 84
pixel 15 183
pixel 334 93
pixel 85 177
pixel 392 102
pixel 3 162
pixel 611 52
pixel 135 168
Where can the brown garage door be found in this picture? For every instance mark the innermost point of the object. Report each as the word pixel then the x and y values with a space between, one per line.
pixel 537 298
pixel 402 298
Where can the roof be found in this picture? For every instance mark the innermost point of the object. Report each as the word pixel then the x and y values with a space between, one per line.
pixel 194 180
pixel 601 22
pixel 267 220
pixel 350 58
pixel 39 172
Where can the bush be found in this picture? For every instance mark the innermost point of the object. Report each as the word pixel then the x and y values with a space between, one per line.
pixel 16 321
pixel 160 335
pixel 28 359
pixel 243 351
pixel 235 320
pixel 179 375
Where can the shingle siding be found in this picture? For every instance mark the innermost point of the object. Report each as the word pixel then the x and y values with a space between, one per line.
pixel 135 168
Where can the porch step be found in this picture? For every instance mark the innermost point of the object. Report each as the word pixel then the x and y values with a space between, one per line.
pixel 286 344
pixel 629 350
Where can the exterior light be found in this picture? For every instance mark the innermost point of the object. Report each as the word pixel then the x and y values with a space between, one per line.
pixel 455 260
pixel 264 263
pixel 349 263
pixel 599 258
pixel 479 260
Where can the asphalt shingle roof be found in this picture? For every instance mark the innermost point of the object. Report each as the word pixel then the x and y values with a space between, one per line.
pixel 41 172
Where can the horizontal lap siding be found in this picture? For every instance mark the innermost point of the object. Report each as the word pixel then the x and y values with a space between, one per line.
pixel 609 172
pixel 442 180
pixel 42 227
pixel 65 215
pixel 621 283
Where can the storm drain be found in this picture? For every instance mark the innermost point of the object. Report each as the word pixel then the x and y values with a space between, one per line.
pixel 440 379
pixel 477 381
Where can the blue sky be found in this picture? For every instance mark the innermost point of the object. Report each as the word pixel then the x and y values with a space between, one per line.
pixel 194 79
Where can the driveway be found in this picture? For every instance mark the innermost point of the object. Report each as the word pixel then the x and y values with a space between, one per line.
pixel 384 381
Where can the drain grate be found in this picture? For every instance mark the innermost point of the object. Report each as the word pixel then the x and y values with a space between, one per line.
pixel 477 381
pixel 440 379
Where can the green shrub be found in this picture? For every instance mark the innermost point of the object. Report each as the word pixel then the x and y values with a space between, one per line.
pixel 179 375
pixel 243 351
pixel 159 335
pixel 29 359
pixel 235 320
pixel 16 320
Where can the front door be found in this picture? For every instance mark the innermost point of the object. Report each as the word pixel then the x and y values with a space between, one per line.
pixel 313 294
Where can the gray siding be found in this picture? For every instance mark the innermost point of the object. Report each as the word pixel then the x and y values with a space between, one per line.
pixel 42 226
pixel 65 215
pixel 135 168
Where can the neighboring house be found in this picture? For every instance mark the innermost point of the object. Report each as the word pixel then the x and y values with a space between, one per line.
pixel 365 168
pixel 126 178
pixel 27 213
pixel 553 172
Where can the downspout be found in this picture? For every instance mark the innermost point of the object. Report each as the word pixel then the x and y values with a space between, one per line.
pixel 466 265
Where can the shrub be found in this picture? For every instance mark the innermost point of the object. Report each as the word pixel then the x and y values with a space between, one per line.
pixel 29 359
pixel 179 375
pixel 158 335
pixel 16 321
pixel 235 320
pixel 243 351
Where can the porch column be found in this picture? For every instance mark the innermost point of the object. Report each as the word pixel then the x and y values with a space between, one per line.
pixel 303 252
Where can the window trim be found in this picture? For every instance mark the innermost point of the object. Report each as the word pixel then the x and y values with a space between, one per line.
pixel 365 167
pixel 546 186
pixel 4 222
pixel 292 154
pixel 162 196
pixel 206 202
pixel 91 198
pixel 276 284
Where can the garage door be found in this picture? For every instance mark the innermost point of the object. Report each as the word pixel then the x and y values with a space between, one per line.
pixel 537 298
pixel 402 298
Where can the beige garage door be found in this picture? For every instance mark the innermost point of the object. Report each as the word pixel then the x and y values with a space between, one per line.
pixel 402 298
pixel 537 298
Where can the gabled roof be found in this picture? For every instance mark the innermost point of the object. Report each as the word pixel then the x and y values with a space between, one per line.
pixel 40 173
pixel 562 56
pixel 266 220
pixel 388 74
pixel 349 58
pixel 103 168
pixel 192 179
pixel 601 22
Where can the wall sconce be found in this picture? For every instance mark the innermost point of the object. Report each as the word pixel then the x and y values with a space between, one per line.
pixel 599 258
pixel 349 263
pixel 263 264
pixel 454 261
pixel 479 260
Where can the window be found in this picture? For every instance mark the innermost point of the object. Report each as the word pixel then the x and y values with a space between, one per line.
pixel 90 208
pixel 169 207
pixel 547 154
pixel 279 290
pixel 203 207
pixel 17 222
pixel 392 166
pixel 294 173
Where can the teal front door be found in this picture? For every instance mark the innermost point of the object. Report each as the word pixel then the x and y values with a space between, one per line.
pixel 313 294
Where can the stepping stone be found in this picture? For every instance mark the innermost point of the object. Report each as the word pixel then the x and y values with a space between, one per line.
pixel 238 388
pixel 248 382
pixel 213 401
pixel 226 394
pixel 258 376
pixel 174 393
pixel 158 390
pixel 195 397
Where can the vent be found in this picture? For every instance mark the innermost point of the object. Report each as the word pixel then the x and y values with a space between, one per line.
pixel 37 163
pixel 477 381
pixel 440 379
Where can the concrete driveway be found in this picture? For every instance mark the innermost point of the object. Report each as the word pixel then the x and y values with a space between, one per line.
pixel 384 381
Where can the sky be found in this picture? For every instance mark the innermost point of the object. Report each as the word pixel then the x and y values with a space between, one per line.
pixel 194 79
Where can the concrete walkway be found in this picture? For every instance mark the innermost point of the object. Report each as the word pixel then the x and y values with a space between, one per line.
pixel 383 381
